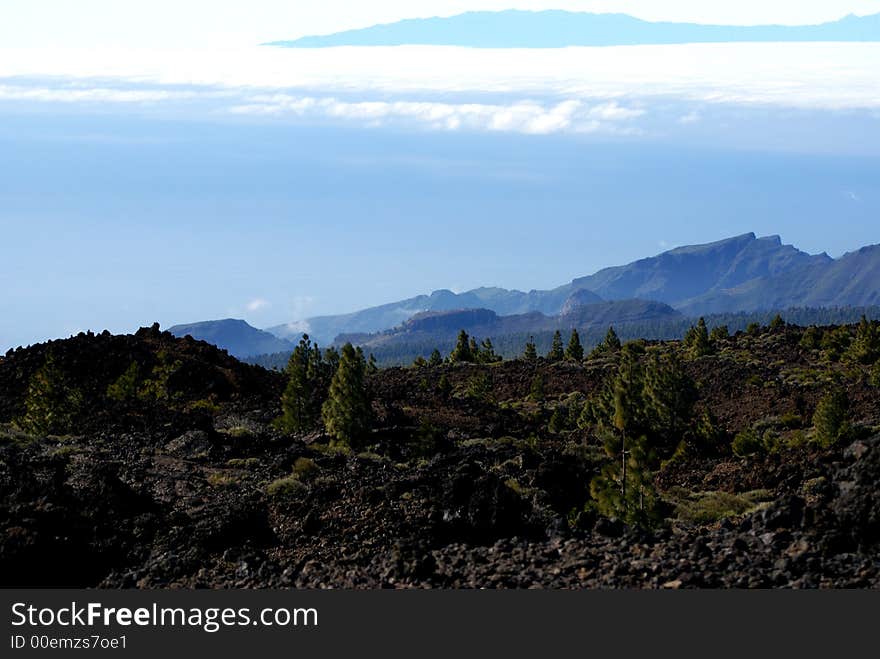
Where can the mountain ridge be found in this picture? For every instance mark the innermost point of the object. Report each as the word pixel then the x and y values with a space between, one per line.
pixel 744 273
pixel 236 336
pixel 558 28
pixel 740 273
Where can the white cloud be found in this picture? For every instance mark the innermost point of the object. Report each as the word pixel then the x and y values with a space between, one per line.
pixel 90 95
pixel 530 117
pixel 539 92
pixel 257 304
pixel 815 75
pixel 691 117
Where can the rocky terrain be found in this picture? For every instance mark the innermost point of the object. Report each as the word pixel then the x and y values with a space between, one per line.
pixel 159 466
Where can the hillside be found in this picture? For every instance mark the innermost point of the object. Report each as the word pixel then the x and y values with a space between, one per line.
pixel 236 336
pixel 441 328
pixel 742 273
pixel 559 29
pixel 150 461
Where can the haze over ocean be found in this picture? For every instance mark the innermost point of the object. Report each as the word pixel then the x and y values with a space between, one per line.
pixel 145 181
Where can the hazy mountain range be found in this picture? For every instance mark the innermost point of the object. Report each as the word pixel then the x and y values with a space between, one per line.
pixel 557 29
pixel 740 274
pixel 236 336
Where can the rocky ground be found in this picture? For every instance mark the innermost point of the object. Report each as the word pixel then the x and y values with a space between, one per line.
pixel 195 488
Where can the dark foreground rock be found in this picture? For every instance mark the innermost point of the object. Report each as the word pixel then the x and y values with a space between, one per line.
pixel 198 490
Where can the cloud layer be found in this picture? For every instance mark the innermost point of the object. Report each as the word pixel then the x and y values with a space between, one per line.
pixel 574 90
pixel 528 117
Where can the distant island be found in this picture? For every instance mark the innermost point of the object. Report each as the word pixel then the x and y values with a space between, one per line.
pixel 559 29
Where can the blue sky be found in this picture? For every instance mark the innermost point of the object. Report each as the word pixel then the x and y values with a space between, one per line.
pixel 172 23
pixel 146 181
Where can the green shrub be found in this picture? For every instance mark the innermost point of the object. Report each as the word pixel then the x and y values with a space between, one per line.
pixel 243 463
pixel 755 381
pixel 811 338
pixel 156 387
pixel 219 479
pixel 791 421
pixel 831 419
pixel 209 406
pixel 238 432
pixel 305 468
pixel 874 377
pixel 536 389
pixel 426 440
pixel 286 487
pixel 747 443
pixel 52 404
pixel 835 343
pixel 479 387
pixel 709 507
pixel 126 385
pixel 719 334
pixel 865 348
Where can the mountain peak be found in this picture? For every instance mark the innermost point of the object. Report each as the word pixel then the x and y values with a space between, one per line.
pixel 235 335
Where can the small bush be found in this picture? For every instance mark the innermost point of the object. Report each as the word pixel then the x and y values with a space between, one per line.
pixel 243 463
pixel 305 468
pixel 709 507
pixel 811 338
pixel 219 479
pixel 52 404
pixel 747 443
pixel 204 405
pixel 479 387
pixel 126 385
pixel 286 487
pixel 791 421
pixel 831 418
pixel 238 432
pixel 331 449
pixel 874 377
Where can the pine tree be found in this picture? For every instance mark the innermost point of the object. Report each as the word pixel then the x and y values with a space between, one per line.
pixel 556 353
pixel 531 352
pixel 865 348
pixel 611 342
pixel 436 358
pixel 52 404
pixel 419 362
pixel 719 334
pixel 331 359
pixel 300 402
pixel 812 338
pixel 346 412
pixel 536 389
pixel 831 418
pixel 609 345
pixel 696 341
pixel 462 351
pixel 575 351
pixel 487 354
pixel 558 420
pixel 372 368
pixel 777 322
pixel 669 395
pixel 624 487
pixel 444 387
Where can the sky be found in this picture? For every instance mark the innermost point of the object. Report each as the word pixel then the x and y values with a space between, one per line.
pixel 158 165
pixel 212 23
